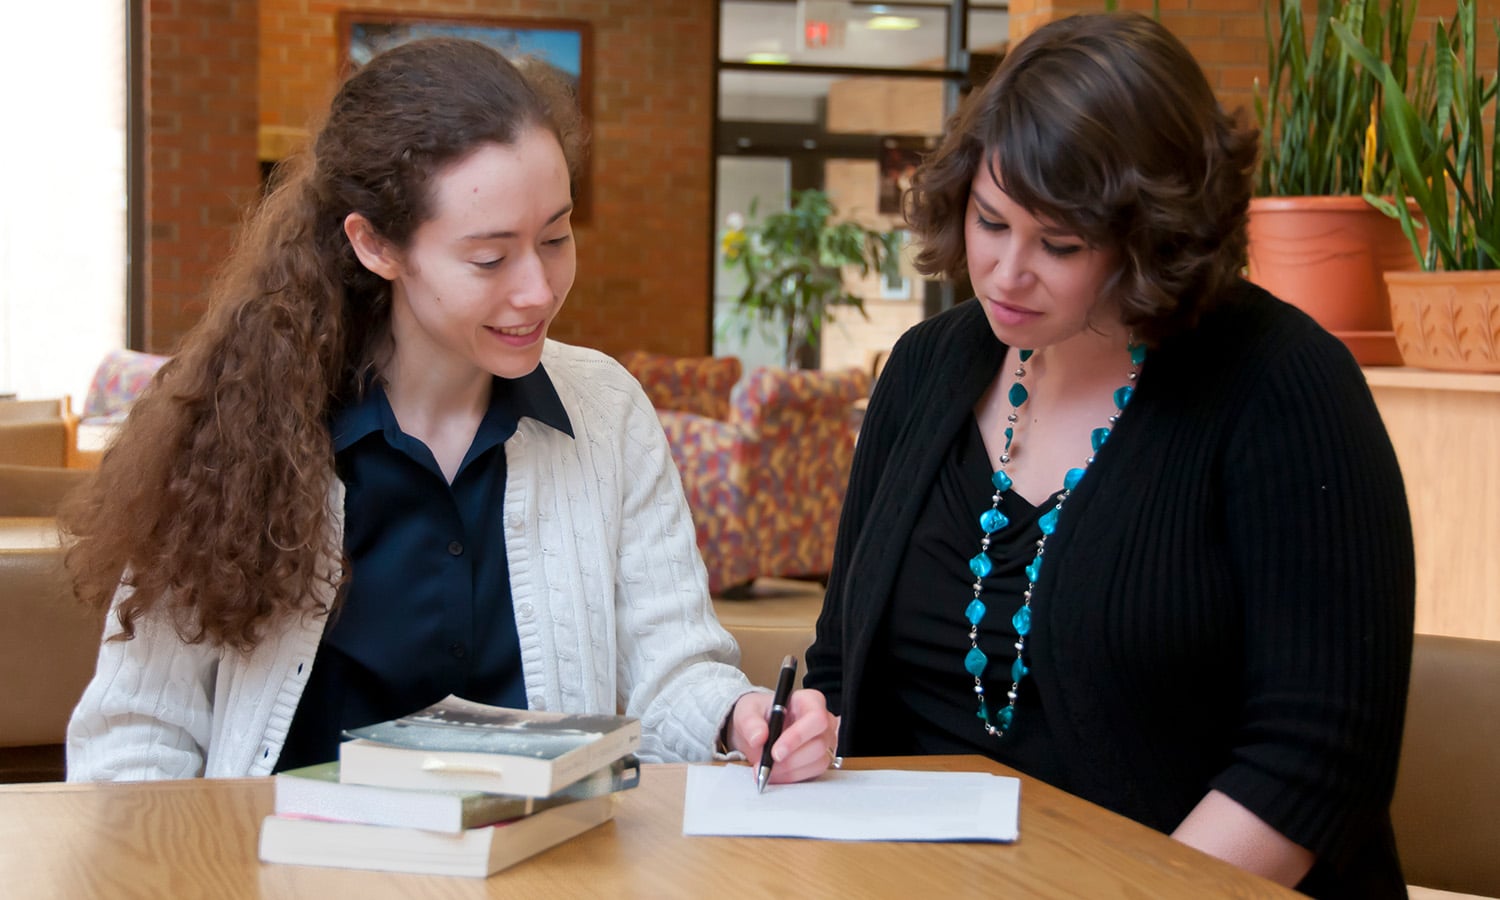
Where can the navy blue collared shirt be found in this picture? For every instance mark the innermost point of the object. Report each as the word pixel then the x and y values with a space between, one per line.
pixel 428 609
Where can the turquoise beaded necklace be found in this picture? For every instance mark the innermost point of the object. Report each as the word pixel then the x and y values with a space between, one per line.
pixel 992 520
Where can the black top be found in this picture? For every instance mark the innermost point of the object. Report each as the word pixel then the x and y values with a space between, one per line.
pixel 1228 599
pixel 427 611
pixel 932 707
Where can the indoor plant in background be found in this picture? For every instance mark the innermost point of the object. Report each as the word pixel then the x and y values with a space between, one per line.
pixel 1314 240
pixel 1448 315
pixel 793 263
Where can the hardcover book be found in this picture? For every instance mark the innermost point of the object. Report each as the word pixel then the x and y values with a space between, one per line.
pixel 316 792
pixel 476 852
pixel 458 744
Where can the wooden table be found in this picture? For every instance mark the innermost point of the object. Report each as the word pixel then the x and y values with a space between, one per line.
pixel 185 839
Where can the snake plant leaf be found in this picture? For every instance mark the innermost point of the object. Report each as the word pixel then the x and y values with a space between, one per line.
pixel 1444 154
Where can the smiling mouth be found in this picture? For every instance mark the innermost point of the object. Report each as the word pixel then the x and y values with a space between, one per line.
pixel 518 330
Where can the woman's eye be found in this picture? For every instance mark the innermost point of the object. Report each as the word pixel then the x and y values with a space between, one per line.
pixel 987 225
pixel 488 263
pixel 559 241
pixel 1061 249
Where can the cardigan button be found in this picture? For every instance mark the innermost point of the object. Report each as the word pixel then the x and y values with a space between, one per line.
pixel 525 610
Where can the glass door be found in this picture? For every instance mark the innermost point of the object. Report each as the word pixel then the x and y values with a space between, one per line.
pixel 842 96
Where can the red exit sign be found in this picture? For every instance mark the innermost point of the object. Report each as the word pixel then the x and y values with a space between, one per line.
pixel 817 33
pixel 822 23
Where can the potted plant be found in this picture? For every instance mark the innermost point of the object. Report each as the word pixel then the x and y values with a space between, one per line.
pixel 1446 316
pixel 793 262
pixel 1314 240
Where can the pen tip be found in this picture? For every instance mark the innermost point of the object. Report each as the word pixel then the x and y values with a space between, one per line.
pixel 762 775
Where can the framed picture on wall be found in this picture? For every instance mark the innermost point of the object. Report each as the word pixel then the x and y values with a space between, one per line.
pixel 564 45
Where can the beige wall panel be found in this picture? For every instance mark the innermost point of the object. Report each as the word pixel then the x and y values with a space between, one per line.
pixel 1446 431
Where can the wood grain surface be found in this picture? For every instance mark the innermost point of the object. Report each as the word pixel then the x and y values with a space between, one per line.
pixel 184 839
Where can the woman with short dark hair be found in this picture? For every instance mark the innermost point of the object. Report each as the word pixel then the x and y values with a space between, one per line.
pixel 1125 521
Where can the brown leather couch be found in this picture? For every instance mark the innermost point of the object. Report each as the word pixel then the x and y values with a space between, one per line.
pixel 1446 809
pixel 37 432
pixel 48 641
pixel 32 491
pixel 779 620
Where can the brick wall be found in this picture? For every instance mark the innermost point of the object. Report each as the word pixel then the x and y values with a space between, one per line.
pixel 220 70
pixel 1229 36
pixel 643 256
pixel 201 167
pixel 1226 36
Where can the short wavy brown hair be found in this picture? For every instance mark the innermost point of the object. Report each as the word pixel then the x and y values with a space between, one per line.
pixel 1106 125
pixel 212 507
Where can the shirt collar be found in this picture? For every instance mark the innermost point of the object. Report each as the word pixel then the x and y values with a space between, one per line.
pixel 511 399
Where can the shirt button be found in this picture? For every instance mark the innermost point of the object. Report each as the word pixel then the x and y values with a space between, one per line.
pixel 513 521
pixel 525 610
pixel 455 548
pixel 535 702
pixel 456 649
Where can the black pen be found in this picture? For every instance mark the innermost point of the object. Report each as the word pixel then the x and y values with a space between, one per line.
pixel 777 719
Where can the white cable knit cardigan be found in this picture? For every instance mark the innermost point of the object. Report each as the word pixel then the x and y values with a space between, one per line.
pixel 609 592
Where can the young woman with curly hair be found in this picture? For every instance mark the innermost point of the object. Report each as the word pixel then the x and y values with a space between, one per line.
pixel 1124 521
pixel 368 480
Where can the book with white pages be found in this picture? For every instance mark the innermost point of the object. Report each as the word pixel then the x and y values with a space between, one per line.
pixel 317 792
pixel 477 852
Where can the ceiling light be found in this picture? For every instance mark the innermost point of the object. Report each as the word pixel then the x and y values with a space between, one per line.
pixel 893 23
pixel 767 58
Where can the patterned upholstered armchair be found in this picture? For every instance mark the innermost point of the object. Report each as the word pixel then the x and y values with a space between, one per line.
pixel 764 463
pixel 119 379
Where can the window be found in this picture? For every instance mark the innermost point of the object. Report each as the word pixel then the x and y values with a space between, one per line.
pixel 62 205
pixel 816 94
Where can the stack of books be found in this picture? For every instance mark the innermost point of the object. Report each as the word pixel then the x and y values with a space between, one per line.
pixel 458 788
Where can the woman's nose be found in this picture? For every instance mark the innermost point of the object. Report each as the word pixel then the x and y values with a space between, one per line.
pixel 1012 269
pixel 531 287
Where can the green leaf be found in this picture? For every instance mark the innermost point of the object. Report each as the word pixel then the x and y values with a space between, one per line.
pixel 795 262
pixel 1315 109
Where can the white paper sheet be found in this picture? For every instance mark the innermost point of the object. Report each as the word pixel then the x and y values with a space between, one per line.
pixel 879 805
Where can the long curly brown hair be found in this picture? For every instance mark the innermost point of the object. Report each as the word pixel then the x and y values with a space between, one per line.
pixel 1105 124
pixel 213 507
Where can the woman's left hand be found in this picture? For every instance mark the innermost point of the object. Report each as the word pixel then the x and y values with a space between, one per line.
pixel 807 741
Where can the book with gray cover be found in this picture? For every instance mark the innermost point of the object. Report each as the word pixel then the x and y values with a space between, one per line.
pixel 458 744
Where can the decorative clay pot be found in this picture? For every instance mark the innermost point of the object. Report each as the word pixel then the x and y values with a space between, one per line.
pixel 1447 320
pixel 1326 255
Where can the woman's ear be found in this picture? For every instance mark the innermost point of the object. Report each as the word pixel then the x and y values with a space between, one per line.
pixel 374 252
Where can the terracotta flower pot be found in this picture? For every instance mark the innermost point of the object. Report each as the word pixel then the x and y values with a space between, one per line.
pixel 1447 320
pixel 1326 255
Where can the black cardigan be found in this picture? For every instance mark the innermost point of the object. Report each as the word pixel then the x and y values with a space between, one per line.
pixel 1228 599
